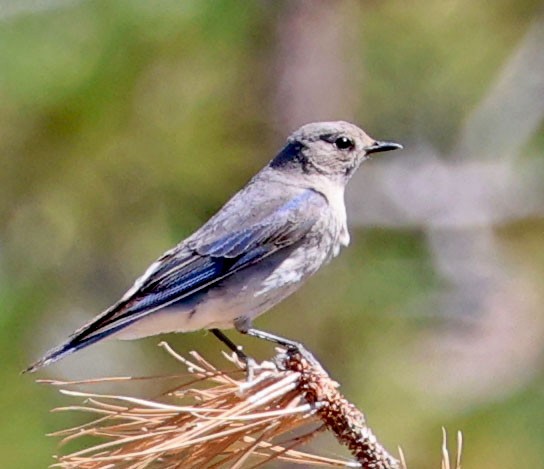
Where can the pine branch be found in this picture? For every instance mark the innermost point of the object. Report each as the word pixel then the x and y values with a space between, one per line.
pixel 341 417
pixel 215 418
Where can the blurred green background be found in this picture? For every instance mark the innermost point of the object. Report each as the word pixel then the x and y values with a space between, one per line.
pixel 125 124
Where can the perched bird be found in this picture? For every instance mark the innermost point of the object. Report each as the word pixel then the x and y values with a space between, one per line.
pixel 277 231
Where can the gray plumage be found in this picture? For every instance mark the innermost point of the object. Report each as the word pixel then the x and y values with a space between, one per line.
pixel 288 221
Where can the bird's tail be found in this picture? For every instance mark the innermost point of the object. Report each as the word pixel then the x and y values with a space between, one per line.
pixel 73 344
pixel 99 328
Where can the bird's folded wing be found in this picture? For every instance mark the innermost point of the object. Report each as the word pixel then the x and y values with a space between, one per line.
pixel 199 264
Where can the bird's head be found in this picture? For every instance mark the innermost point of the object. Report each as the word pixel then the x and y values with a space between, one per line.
pixel 334 149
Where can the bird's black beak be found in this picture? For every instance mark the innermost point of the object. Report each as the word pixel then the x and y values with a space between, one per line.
pixel 378 146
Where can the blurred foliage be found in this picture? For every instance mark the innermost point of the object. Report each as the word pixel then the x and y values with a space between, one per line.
pixel 124 124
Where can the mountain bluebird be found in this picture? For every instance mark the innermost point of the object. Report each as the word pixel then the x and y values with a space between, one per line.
pixel 287 222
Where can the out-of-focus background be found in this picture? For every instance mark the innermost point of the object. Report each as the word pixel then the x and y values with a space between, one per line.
pixel 125 124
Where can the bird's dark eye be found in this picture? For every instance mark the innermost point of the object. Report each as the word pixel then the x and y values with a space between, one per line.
pixel 344 143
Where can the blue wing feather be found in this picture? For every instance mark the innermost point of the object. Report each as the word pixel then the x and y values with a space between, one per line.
pixel 273 228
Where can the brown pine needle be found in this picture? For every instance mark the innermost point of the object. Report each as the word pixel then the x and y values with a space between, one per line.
pixel 446 462
pixel 213 418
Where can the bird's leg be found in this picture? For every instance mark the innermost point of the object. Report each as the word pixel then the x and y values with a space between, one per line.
pixel 244 327
pixel 291 345
pixel 237 349
pixel 276 339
